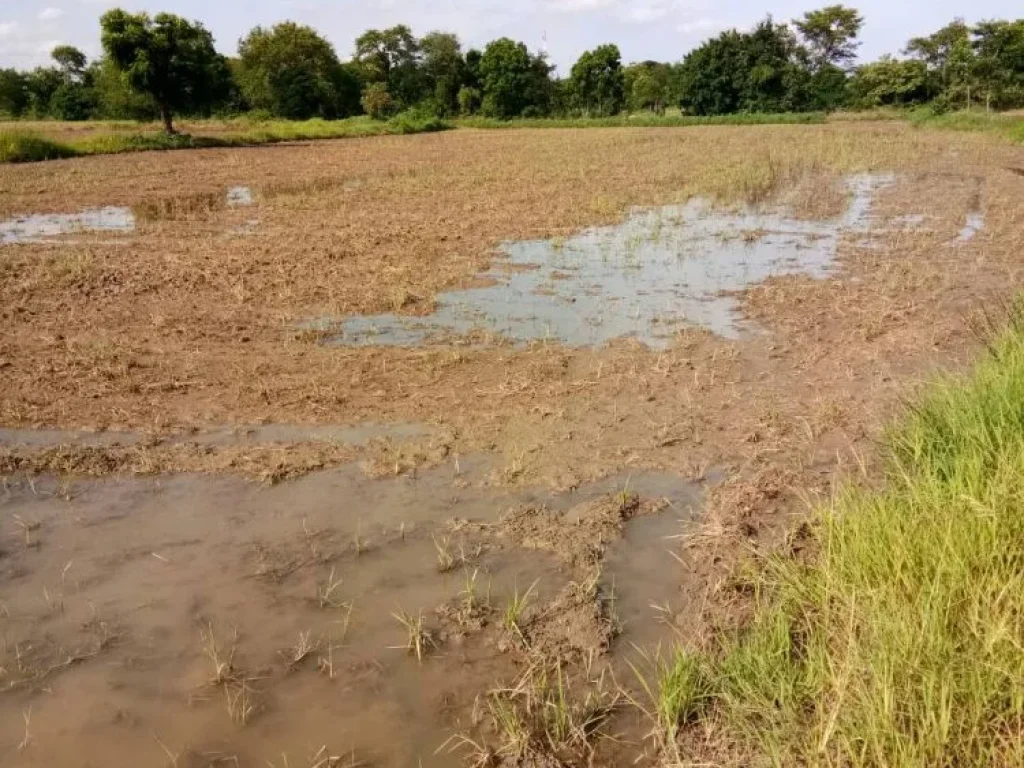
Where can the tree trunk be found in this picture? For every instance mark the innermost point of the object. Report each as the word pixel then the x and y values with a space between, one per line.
pixel 165 115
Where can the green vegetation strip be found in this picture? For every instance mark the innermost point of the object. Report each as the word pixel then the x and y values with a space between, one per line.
pixel 18 146
pixel 901 641
pixel 1008 126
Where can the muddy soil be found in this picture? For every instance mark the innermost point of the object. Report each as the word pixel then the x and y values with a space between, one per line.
pixel 120 598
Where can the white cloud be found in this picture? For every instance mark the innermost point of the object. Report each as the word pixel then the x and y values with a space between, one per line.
pixel 647 11
pixel 7 28
pixel 578 6
pixel 50 14
pixel 699 26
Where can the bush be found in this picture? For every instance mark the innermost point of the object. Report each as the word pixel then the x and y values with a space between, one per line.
pixel 377 102
pixel 417 120
pixel 469 100
pixel 24 147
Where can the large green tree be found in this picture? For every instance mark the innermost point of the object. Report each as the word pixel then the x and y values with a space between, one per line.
pixel 757 71
pixel 647 85
pixel 830 34
pixel 293 72
pixel 999 64
pixel 444 69
pixel 167 57
pixel 597 83
pixel 392 56
pixel 505 73
pixel 945 53
pixel 70 61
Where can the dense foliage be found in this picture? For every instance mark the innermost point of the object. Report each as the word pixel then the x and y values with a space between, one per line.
pixel 291 71
pixel 164 65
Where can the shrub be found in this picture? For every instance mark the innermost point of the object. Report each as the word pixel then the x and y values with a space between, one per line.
pixel 469 100
pixel 417 120
pixel 377 102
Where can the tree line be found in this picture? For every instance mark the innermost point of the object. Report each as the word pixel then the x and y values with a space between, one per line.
pixel 164 65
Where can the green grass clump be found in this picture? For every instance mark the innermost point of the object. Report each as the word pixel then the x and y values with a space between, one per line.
pixel 116 143
pixel 901 642
pixel 25 147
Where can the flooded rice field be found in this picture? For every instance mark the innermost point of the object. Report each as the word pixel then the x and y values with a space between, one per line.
pixel 376 452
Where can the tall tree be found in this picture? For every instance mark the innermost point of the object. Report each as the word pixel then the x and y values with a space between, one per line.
pixel 505 73
pixel 757 71
pixel 167 57
pixel 830 34
pixel 444 68
pixel 939 51
pixel 597 82
pixel 392 56
pixel 70 60
pixel 647 85
pixel 293 72
pixel 999 51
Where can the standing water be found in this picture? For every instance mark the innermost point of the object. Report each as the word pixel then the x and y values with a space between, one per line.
pixel 642 278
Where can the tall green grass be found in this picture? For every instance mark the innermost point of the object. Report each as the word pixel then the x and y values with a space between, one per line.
pixel 1008 126
pixel 901 642
pixel 26 147
pixel 645 120
pixel 23 146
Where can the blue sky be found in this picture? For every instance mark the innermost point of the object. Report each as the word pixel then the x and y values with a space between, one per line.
pixel 643 29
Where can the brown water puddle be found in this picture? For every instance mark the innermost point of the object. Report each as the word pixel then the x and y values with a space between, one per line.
pixel 116 595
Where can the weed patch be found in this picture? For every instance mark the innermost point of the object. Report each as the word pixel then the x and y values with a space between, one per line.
pixel 24 147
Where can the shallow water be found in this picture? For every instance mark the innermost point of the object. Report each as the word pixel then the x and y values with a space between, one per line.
pixel 151 563
pixel 39 227
pixel 239 196
pixel 644 278
pixel 974 223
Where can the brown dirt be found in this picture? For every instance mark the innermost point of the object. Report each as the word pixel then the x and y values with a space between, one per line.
pixel 183 325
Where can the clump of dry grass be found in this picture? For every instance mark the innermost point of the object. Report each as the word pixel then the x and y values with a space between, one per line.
pixel 327 592
pixel 183 206
pixel 240 696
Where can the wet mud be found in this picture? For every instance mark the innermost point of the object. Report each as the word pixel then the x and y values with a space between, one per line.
pixel 218 620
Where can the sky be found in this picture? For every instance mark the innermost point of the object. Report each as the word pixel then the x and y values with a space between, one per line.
pixel 643 29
